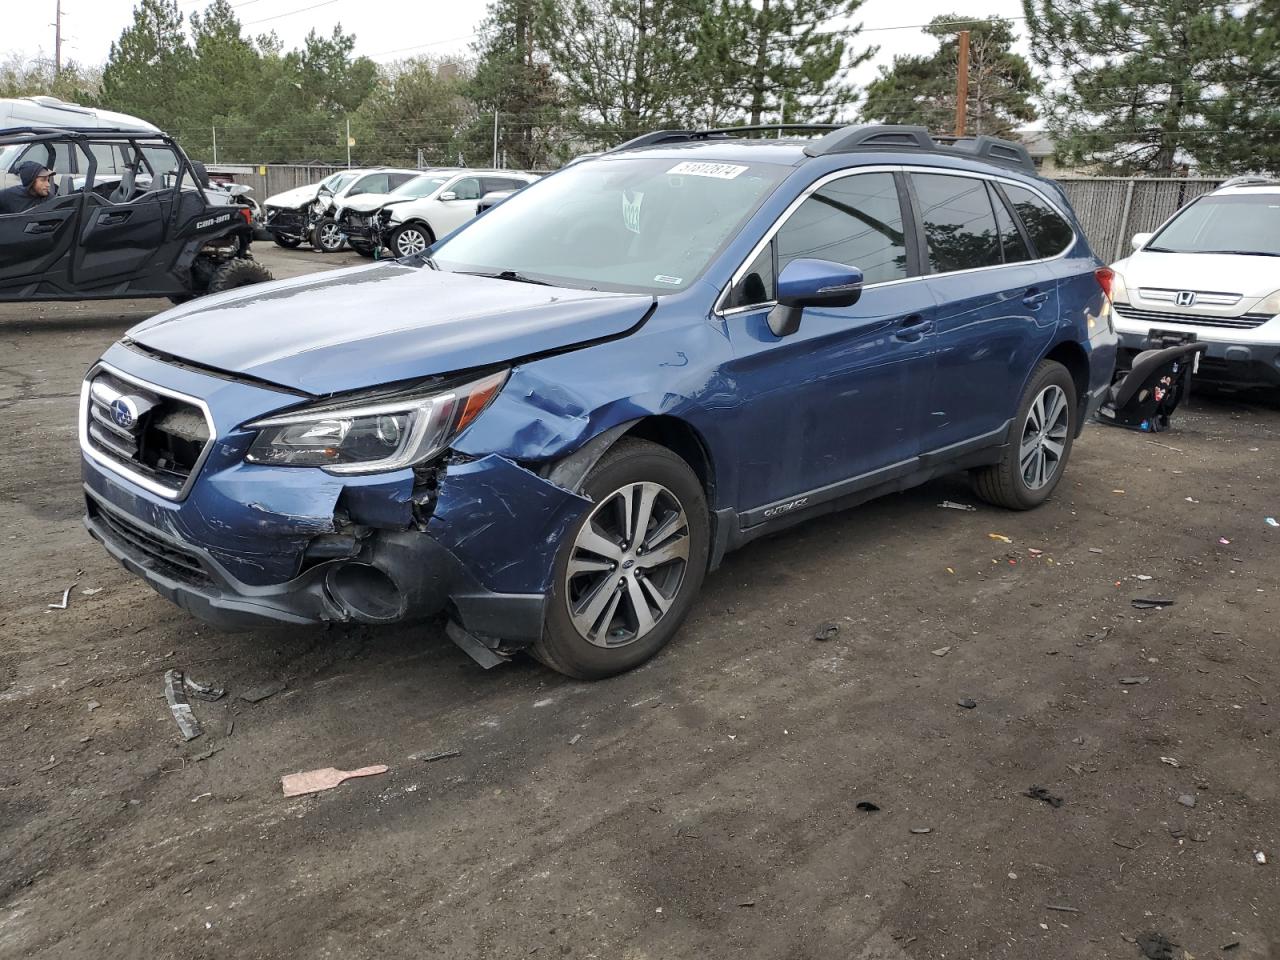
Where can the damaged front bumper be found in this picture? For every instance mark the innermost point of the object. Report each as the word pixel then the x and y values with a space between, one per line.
pixel 253 544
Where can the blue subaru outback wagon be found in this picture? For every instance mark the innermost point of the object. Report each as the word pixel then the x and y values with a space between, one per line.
pixel 553 425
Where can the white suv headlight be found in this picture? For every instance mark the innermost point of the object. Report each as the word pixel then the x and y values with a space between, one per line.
pixel 1119 291
pixel 1268 305
pixel 373 435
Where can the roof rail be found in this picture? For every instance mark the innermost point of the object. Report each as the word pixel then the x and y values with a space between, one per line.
pixel 1006 153
pixel 848 139
pixel 659 137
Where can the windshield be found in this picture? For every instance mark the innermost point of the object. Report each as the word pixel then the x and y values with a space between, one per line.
pixel 632 224
pixel 336 181
pixel 1236 223
pixel 419 187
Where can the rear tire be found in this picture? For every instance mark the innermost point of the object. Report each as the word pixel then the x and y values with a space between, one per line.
pixel 240 272
pixel 622 588
pixel 1040 440
pixel 289 243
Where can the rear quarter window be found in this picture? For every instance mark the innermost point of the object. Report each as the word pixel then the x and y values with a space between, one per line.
pixel 1049 233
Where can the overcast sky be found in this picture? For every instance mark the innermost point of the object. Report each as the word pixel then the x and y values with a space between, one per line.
pixel 391 29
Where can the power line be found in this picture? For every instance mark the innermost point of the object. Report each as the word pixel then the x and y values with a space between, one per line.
pixel 281 16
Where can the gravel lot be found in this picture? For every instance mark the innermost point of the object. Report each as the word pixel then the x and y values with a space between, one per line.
pixel 705 805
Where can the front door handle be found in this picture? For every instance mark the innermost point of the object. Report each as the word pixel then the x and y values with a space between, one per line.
pixel 913 328
pixel 43 226
pixel 1034 298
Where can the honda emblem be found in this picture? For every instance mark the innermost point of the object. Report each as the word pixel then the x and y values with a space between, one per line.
pixel 1185 298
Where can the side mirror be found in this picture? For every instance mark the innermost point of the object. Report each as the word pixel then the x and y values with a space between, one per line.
pixel 812 283
pixel 448 195
pixel 1140 240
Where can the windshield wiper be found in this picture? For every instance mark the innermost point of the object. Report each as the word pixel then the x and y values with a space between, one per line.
pixel 506 275
pixel 1245 253
pixel 1160 250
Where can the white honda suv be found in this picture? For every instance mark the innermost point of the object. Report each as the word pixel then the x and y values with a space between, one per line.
pixel 1211 273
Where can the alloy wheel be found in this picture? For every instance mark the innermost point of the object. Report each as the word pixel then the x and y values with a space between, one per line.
pixel 627 564
pixel 1044 437
pixel 330 236
pixel 411 241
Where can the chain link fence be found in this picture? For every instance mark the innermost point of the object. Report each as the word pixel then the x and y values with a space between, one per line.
pixel 1111 209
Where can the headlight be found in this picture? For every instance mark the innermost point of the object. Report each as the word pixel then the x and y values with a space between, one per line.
pixel 1119 292
pixel 373 435
pixel 320 206
pixel 1268 305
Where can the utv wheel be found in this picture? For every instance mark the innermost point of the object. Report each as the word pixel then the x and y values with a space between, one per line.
pixel 327 237
pixel 629 570
pixel 1039 442
pixel 364 249
pixel 238 273
pixel 289 243
pixel 411 239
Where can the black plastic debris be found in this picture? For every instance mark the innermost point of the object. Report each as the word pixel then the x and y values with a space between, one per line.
pixel 1156 946
pixel 826 631
pixel 1133 681
pixel 967 703
pixel 1151 603
pixel 866 806
pixel 176 695
pixel 433 757
pixel 1040 793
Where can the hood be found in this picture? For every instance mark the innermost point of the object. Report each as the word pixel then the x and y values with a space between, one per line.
pixel 297 197
pixel 366 202
pixel 1252 277
pixel 368 326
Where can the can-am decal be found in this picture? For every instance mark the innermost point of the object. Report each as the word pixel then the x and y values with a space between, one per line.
pixel 220 218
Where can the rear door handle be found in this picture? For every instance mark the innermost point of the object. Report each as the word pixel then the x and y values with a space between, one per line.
pixel 1034 298
pixel 913 328
pixel 43 226
pixel 113 218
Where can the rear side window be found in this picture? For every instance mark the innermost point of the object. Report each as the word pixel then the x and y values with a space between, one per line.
pixel 1012 245
pixel 856 221
pixel 1050 234
pixel 959 223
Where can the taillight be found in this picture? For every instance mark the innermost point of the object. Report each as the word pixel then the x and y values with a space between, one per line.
pixel 247 214
pixel 1106 278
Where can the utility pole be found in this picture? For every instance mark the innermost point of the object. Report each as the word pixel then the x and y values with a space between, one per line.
pixel 57 42
pixel 962 83
pixel 495 140
pixel 215 145
pixel 348 143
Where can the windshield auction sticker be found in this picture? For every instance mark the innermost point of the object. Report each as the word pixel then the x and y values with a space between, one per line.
pixel 719 171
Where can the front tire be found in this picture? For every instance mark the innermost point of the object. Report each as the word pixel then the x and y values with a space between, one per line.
pixel 289 243
pixel 1039 442
pixel 411 239
pixel 630 569
pixel 327 237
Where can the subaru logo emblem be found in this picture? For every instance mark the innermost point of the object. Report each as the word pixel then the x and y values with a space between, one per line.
pixel 124 413
pixel 1185 298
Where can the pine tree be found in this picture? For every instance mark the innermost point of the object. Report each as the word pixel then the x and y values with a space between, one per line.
pixel 1246 102
pixel 513 78
pixel 921 90
pixel 779 57
pixel 1136 83
pixel 147 69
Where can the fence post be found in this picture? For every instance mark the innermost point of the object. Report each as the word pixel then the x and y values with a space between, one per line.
pixel 1122 237
pixel 495 140
pixel 215 145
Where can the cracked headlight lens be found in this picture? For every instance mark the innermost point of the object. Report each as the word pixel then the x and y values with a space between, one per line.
pixel 372 435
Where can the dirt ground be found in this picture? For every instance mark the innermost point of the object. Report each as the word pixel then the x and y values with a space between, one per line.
pixel 706 804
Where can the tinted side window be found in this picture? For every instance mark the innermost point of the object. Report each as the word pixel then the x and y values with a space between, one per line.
pixel 856 221
pixel 756 285
pixel 959 224
pixel 398 179
pixel 1049 232
pixel 1011 242
pixel 497 184
pixel 374 183
pixel 468 188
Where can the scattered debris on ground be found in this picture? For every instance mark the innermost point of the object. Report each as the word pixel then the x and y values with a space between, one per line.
pixel 326 778
pixel 262 691
pixel 1040 793
pixel 1155 946
pixel 175 694
pixel 941 651
pixel 1151 603
pixel 432 757
pixel 827 631
pixel 866 806
pixel 953 505
pixel 62 604
pixel 967 703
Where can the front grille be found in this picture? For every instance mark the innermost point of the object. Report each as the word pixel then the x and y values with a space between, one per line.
pixel 152 435
pixel 1205 298
pixel 166 557
pixel 1247 321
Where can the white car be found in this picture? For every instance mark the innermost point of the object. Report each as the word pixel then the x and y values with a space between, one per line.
pixel 411 226
pixel 358 216
pixel 293 216
pixel 1211 273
